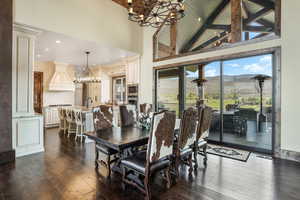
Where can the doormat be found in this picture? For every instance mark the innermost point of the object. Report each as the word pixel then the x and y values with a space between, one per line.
pixel 228 152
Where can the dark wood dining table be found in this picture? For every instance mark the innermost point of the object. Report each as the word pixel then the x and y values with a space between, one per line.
pixel 120 138
pixel 124 140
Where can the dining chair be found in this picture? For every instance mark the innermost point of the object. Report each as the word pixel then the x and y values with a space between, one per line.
pixel 103 118
pixel 71 121
pixel 127 115
pixel 185 140
pixel 63 125
pixel 145 108
pixel 156 158
pixel 80 125
pixel 102 122
pixel 205 118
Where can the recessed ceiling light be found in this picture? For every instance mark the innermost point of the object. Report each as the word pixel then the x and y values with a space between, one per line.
pixel 58 41
pixel 47 49
pixel 199 19
pixel 38 55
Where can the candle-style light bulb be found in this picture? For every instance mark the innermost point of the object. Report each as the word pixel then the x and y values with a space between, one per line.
pixel 131 10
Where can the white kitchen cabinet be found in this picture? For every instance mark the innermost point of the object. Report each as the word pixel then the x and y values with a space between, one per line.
pixel 28 135
pixel 51 117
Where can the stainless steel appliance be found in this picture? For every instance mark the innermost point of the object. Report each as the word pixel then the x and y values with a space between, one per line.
pixel 132 94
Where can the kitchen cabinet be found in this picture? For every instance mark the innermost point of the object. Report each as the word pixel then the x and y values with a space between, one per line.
pixel 51 117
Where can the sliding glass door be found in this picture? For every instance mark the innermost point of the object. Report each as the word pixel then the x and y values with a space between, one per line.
pixel 240 91
pixel 167 90
pixel 247 100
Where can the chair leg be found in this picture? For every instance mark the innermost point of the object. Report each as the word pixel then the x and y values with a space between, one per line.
pixel 108 166
pixel 168 177
pixel 190 159
pixel 195 157
pixel 205 155
pixel 96 159
pixel 123 177
pixel 77 130
pixel 147 188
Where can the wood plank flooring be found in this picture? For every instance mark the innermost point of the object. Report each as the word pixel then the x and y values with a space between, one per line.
pixel 66 171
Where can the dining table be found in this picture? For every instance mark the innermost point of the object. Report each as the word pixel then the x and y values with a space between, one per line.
pixel 124 140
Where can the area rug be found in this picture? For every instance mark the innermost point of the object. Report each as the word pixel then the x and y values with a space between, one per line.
pixel 228 152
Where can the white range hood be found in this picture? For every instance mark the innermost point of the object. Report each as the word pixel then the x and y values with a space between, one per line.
pixel 61 81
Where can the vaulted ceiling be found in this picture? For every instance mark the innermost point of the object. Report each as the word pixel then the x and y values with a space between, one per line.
pixel 207 21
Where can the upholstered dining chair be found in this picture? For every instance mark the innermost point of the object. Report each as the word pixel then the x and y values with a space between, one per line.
pixel 63 125
pixel 186 139
pixel 145 108
pixel 205 118
pixel 71 121
pixel 103 120
pixel 156 158
pixel 127 115
pixel 80 125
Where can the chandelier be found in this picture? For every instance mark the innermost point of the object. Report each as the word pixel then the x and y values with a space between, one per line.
pixel 86 76
pixel 155 12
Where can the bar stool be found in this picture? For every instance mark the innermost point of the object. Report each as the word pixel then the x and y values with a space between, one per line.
pixel 63 125
pixel 80 126
pixel 71 121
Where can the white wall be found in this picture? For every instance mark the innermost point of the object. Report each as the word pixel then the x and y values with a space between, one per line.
pixel 53 97
pixel 102 21
pixel 290 107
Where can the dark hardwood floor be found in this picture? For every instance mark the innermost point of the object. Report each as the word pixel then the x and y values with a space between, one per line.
pixel 66 171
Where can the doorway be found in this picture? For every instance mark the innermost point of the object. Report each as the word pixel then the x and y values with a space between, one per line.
pixel 38 92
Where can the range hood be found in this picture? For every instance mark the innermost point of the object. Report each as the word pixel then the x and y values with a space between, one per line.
pixel 61 81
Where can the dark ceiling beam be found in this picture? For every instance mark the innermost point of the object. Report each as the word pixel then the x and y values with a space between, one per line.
pixel 265 23
pixel 210 41
pixel 264 3
pixel 261 13
pixel 247 28
pixel 261 29
pixel 207 22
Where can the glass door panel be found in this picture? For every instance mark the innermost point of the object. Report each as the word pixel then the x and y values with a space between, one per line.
pixel 168 90
pixel 212 95
pixel 247 102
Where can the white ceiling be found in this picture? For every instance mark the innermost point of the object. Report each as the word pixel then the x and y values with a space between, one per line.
pixel 72 51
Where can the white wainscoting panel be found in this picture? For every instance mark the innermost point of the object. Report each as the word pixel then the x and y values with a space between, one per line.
pixel 28 135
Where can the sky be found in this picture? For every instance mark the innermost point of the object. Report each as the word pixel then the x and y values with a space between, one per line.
pixel 251 65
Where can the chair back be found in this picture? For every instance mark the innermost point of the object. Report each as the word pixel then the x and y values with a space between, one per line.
pixel 127 115
pixel 61 113
pixel 160 144
pixel 145 108
pixel 107 112
pixel 101 121
pixel 205 123
pixel 78 117
pixel 187 131
pixel 70 115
